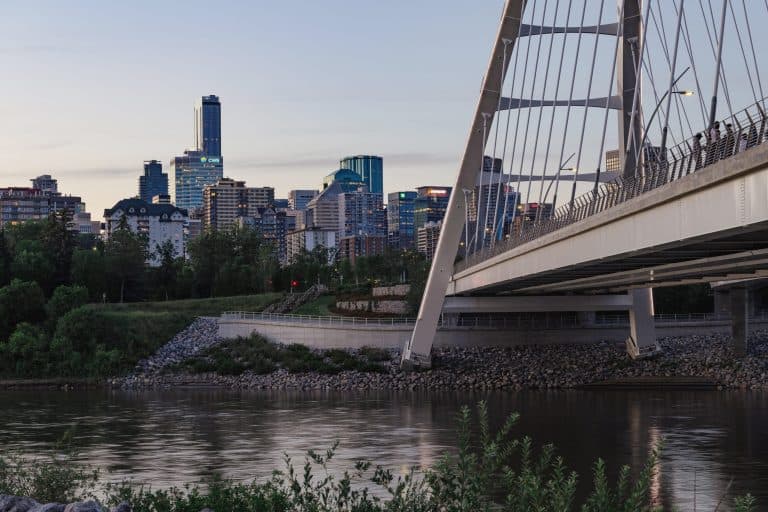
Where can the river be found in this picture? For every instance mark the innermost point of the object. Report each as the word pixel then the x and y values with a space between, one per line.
pixel 166 438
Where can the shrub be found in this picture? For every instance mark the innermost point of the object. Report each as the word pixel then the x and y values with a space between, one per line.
pixel 375 355
pixel 55 478
pixel 64 300
pixel 27 352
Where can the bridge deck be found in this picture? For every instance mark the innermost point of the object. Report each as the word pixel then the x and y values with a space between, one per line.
pixel 706 225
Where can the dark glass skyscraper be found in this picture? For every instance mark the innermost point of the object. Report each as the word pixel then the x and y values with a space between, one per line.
pixel 208 125
pixel 204 165
pixel 430 205
pixel 154 182
pixel 370 168
pixel 400 206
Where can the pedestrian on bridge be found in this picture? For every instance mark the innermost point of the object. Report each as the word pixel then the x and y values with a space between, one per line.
pixel 697 150
pixel 752 139
pixel 713 144
pixel 743 143
pixel 730 141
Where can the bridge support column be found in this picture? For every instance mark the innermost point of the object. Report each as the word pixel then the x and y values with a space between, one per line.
pixel 642 328
pixel 739 319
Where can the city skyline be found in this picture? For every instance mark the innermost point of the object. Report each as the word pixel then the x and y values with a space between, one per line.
pixel 106 111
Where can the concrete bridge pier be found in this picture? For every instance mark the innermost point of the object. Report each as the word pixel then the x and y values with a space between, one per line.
pixel 739 296
pixel 642 327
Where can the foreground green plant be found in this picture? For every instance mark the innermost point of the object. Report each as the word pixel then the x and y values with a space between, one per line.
pixel 489 472
pixel 56 478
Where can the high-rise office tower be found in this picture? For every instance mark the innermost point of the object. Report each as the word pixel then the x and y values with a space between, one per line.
pixel 203 165
pixel 154 182
pixel 401 234
pixel 430 205
pixel 192 172
pixel 208 125
pixel 369 168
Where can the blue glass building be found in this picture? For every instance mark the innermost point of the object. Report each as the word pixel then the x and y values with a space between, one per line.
pixel 154 182
pixel 369 168
pixel 400 221
pixel 192 173
pixel 204 165
pixel 208 125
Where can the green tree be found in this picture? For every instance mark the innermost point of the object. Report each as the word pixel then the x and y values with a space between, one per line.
pixel 20 301
pixel 32 263
pixel 208 253
pixel 126 256
pixel 89 270
pixel 64 300
pixel 59 241
pixel 166 275
pixel 5 259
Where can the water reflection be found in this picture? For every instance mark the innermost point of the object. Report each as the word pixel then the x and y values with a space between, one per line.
pixel 172 437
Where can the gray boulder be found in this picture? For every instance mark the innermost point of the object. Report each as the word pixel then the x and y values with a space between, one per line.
pixel 49 507
pixel 84 506
pixel 16 503
pixel 123 507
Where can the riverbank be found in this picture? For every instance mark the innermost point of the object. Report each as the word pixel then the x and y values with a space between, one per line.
pixel 507 368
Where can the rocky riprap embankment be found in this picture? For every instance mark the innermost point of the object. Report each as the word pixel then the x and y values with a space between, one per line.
pixel 20 504
pixel 198 336
pixel 518 367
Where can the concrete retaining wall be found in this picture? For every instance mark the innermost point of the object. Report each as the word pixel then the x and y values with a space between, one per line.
pixel 398 290
pixel 390 307
pixel 315 335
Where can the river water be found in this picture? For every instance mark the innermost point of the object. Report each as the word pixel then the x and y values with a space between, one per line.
pixel 166 438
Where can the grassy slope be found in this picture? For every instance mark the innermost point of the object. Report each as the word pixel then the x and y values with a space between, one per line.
pixel 196 307
pixel 317 307
pixel 146 326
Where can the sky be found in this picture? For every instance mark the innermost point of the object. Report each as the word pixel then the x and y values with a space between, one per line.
pixel 91 89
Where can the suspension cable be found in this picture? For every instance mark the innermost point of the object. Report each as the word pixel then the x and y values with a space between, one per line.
pixel 752 46
pixel 495 139
pixel 721 71
pixel 517 120
pixel 619 35
pixel 530 101
pixel 509 115
pixel 586 106
pixel 557 91
pixel 743 53
pixel 570 101
pixel 636 93
pixel 689 49
pixel 541 110
pixel 678 101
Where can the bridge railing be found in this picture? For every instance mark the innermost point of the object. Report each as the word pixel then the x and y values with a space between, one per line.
pixel 738 133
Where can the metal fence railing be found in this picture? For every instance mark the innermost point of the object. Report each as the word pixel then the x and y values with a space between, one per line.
pixel 480 321
pixel 741 132
pixel 316 319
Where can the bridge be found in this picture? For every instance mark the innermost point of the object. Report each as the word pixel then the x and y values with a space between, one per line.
pixel 680 207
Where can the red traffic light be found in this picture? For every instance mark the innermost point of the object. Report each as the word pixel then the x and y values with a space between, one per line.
pixel 294 283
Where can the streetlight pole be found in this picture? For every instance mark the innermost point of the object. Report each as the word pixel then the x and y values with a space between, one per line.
pixel 656 110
